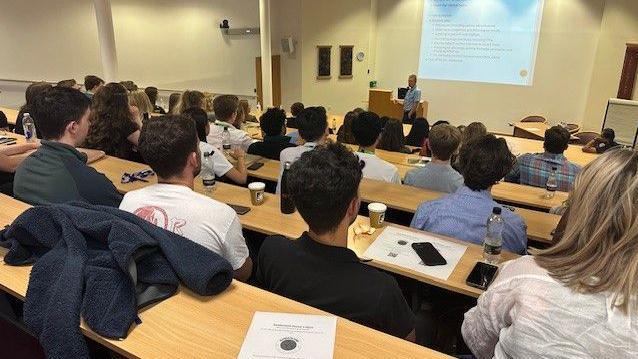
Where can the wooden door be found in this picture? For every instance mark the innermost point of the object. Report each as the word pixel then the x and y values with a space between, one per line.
pixel 276 80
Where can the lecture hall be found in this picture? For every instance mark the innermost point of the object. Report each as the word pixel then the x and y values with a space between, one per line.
pixel 299 179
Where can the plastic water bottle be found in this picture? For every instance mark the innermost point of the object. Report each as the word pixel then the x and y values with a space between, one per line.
pixel 226 140
pixel 29 128
pixel 208 172
pixel 493 242
pixel 287 205
pixel 552 184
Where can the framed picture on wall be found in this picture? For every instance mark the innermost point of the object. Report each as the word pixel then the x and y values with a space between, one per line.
pixel 345 61
pixel 323 62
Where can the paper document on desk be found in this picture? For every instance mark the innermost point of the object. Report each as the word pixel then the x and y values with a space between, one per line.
pixel 512 146
pixel 282 335
pixel 394 246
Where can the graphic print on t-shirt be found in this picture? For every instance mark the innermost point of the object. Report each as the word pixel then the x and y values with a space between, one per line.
pixel 159 217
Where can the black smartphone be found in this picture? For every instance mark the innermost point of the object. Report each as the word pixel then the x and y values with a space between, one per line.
pixel 482 275
pixel 7 140
pixel 255 166
pixel 240 210
pixel 428 254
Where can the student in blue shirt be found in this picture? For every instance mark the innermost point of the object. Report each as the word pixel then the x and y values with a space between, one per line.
pixel 463 214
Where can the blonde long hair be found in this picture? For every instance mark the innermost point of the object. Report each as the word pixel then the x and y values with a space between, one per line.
pixel 599 249
pixel 139 99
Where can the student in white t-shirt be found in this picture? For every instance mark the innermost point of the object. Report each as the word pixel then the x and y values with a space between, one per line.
pixel 313 129
pixel 169 144
pixel 225 108
pixel 367 129
pixel 221 166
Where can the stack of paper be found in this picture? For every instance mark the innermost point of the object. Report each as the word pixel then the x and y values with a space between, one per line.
pixel 394 246
pixel 281 335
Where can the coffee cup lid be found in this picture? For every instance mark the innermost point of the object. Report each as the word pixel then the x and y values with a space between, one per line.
pixel 257 186
pixel 377 207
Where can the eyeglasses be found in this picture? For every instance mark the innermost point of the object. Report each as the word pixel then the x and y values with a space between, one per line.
pixel 137 176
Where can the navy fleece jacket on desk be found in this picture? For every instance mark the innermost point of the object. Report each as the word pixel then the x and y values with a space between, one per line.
pixel 105 264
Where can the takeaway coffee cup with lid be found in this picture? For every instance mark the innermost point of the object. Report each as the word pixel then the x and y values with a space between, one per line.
pixel 257 193
pixel 377 214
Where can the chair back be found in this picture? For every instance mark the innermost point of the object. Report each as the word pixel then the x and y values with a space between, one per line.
pixel 586 137
pixel 534 119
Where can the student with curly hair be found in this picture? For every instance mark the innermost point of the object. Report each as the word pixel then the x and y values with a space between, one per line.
pixel 113 125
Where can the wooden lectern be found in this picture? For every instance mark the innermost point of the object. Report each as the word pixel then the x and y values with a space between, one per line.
pixel 381 102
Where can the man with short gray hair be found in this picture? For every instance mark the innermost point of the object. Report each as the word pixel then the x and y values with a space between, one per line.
pixel 411 101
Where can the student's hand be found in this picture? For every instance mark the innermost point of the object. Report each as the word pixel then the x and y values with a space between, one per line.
pixel 238 154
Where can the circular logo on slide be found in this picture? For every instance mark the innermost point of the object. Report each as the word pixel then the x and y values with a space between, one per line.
pixel 289 345
pixel 524 73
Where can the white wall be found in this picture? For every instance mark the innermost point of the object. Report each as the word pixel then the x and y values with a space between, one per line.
pixel 48 40
pixel 45 40
pixel 334 22
pixel 286 22
pixel 619 27
pixel 178 44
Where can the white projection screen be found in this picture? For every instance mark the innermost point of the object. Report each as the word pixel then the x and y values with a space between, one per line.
pixel 491 41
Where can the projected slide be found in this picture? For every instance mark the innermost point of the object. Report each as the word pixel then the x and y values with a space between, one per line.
pixel 480 40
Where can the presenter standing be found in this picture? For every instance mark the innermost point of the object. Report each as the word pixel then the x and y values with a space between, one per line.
pixel 412 100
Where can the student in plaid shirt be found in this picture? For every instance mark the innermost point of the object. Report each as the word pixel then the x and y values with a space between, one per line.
pixel 533 169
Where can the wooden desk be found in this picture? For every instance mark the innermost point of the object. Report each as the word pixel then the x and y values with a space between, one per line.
pixel 406 198
pixel 381 102
pixel 574 153
pixel 530 130
pixel 11 114
pixel 268 219
pixel 188 325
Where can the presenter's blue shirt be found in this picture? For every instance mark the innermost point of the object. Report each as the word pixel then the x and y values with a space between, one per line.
pixel 412 99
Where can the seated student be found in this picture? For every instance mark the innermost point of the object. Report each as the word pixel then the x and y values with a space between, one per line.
pixel 392 138
pixel 173 102
pixel 418 133
pixel 129 85
pixel 33 91
pixel 152 92
pixel 140 100
pixel 425 146
pixel 295 111
pixel 313 129
pixel 367 129
pixel 57 172
pixel 169 145
pixel 344 134
pixel 576 299
pixel 70 83
pixel 4 122
pixel 190 98
pixel 225 108
pixel 533 169
pixel 473 131
pixel 245 106
pixel 114 126
pixel 438 175
pixel 273 128
pixel 463 214
pixel 318 269
pixel 605 142
pixel 91 85
pixel 10 158
pixel 221 166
